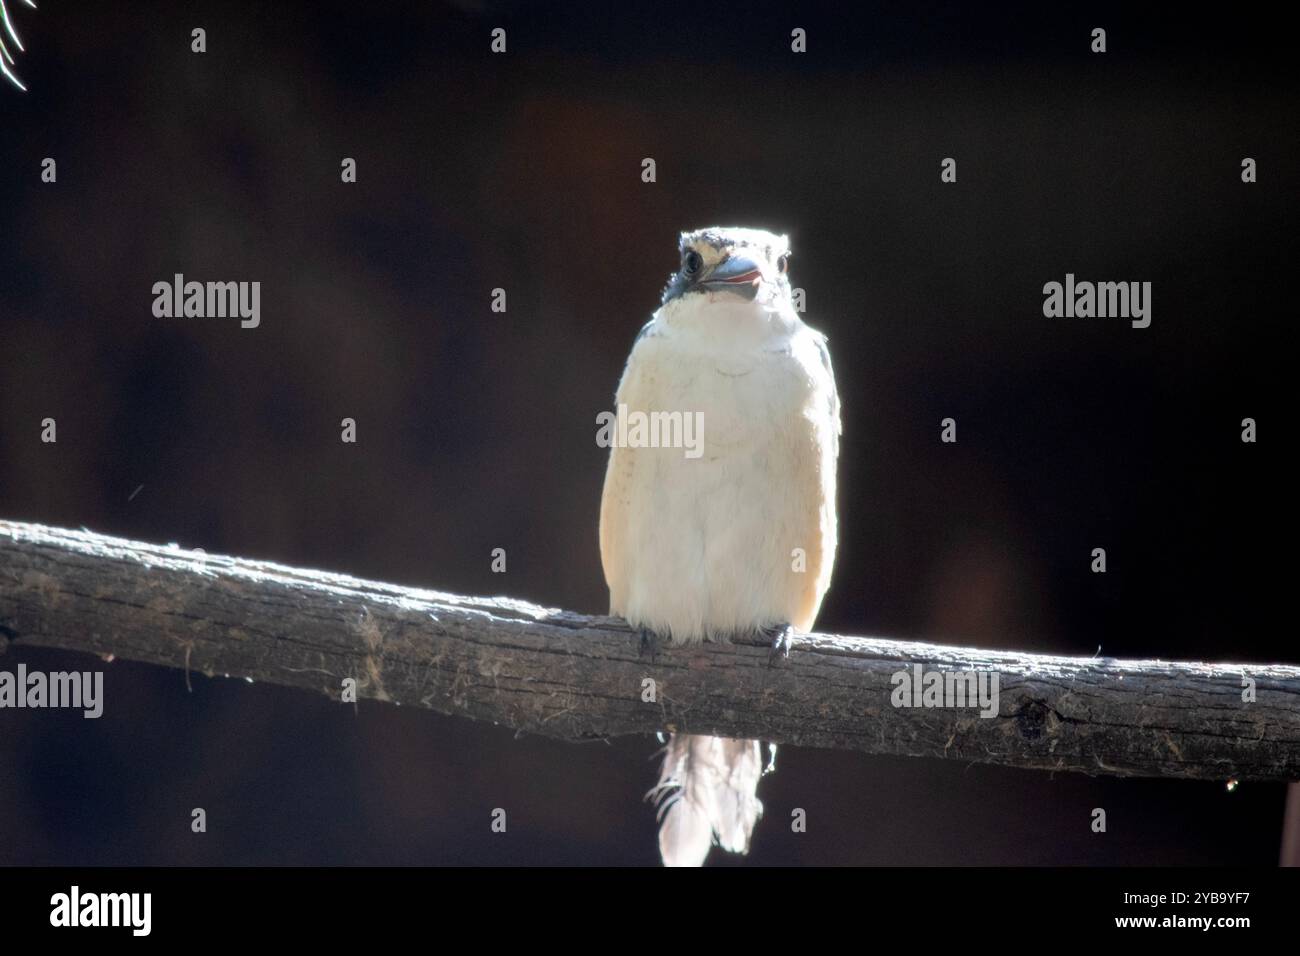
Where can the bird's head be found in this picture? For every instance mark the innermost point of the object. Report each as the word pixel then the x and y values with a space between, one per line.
pixel 732 265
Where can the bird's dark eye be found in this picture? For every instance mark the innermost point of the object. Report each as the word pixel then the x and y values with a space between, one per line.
pixel 692 263
pixel 783 263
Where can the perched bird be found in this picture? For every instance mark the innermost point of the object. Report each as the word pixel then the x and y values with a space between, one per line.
pixel 7 30
pixel 740 538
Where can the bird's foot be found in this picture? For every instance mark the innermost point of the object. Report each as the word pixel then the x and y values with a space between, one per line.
pixel 649 644
pixel 781 635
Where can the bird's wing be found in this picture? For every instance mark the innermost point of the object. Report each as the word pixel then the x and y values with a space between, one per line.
pixel 833 397
pixel 634 390
pixel 821 486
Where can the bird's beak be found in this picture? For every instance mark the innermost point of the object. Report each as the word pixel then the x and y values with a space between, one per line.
pixel 737 274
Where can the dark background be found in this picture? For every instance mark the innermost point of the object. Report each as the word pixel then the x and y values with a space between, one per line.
pixel 476 429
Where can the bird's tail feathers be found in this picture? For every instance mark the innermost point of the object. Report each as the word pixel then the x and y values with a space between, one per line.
pixel 707 793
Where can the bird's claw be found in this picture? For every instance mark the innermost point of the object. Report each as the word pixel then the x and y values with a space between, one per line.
pixel 649 644
pixel 781 635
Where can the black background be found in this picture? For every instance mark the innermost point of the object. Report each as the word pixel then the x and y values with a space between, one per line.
pixel 476 429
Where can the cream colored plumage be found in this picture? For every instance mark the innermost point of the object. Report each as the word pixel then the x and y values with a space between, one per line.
pixel 743 537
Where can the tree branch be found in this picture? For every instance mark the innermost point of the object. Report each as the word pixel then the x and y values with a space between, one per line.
pixel 576 677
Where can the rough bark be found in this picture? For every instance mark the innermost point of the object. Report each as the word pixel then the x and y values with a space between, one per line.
pixel 577 677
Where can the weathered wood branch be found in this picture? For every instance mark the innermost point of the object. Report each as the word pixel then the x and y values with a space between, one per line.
pixel 577 677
